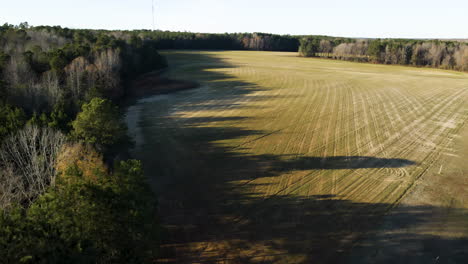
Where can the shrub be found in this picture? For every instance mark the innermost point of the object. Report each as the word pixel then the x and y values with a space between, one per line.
pixel 99 123
pixel 11 119
pixel 108 221
pixel 84 157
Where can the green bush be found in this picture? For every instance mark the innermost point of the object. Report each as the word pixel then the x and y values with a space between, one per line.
pixel 11 119
pixel 99 123
pixel 309 47
pixel 57 119
pixel 109 221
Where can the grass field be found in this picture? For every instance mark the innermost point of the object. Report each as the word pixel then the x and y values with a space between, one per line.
pixel 281 159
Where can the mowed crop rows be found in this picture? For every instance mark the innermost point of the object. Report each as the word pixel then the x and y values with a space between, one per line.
pixel 280 159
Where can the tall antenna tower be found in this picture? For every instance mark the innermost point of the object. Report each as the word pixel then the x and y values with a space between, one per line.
pixel 152 11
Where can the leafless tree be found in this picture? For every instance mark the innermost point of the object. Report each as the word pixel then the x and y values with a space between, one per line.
pixel 27 164
pixel 17 71
pixel 342 51
pixel 326 47
pixel 436 54
pixel 51 86
pixel 46 40
pixel 461 58
pixel 76 72
pixel 108 64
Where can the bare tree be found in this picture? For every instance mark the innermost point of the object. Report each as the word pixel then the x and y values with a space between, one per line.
pixel 436 54
pixel 343 51
pixel 461 58
pixel 325 47
pixel 76 71
pixel 17 71
pixel 108 65
pixel 27 164
pixel 51 86
pixel 46 40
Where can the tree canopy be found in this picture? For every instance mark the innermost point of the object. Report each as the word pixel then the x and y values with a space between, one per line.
pixel 99 123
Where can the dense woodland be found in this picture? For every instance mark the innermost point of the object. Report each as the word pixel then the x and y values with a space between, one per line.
pixel 234 41
pixel 427 53
pixel 66 194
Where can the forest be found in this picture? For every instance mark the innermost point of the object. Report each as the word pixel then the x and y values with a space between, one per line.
pixel 68 193
pixel 451 55
pixel 232 41
pixel 423 53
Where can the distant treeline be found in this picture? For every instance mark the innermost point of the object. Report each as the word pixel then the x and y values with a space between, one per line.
pixel 428 53
pixel 233 41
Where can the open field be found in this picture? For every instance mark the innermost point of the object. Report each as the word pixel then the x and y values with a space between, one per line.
pixel 443 235
pixel 280 159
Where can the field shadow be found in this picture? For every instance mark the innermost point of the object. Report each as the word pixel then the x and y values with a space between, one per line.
pixel 212 211
pixel 209 71
pixel 345 162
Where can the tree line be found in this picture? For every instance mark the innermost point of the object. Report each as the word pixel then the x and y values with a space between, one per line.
pixel 426 53
pixel 226 41
pixel 67 195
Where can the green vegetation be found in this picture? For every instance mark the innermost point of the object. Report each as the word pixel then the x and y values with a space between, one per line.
pixel 109 220
pixel 61 200
pixel 41 67
pixel 431 53
pixel 309 48
pixel 11 119
pixel 234 41
pixel 99 123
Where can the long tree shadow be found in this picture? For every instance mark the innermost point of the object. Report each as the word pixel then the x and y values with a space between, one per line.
pixel 346 162
pixel 225 88
pixel 216 202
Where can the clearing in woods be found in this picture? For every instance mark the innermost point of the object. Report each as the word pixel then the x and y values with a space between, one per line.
pixel 281 159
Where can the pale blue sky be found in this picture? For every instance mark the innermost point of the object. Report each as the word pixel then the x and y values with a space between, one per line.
pixel 352 18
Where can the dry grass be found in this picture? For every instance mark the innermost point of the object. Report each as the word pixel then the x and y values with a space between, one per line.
pixel 442 236
pixel 280 159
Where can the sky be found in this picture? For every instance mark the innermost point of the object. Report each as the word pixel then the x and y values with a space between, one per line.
pixel 346 18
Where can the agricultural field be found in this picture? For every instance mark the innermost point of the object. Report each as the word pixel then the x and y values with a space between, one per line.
pixel 281 159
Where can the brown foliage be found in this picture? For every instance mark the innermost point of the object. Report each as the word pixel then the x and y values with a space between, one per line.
pixel 81 156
